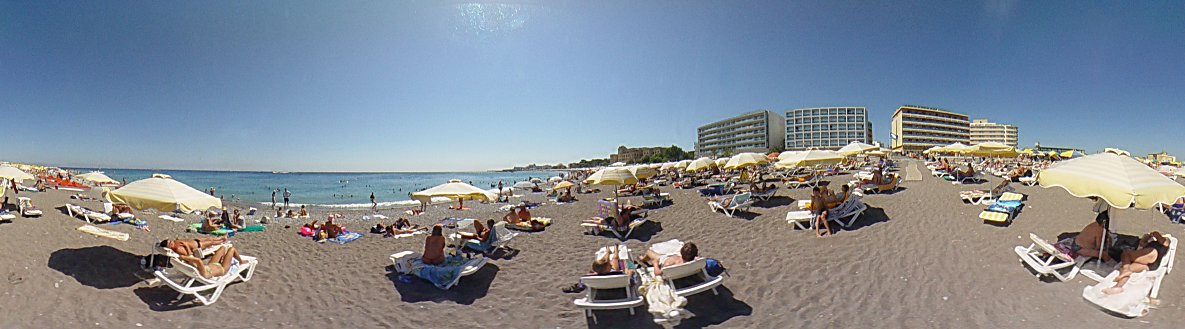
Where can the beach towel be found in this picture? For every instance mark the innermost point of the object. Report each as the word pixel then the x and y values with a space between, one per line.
pixel 104 233
pixel 663 303
pixel 527 227
pixel 1132 302
pixel 669 247
pixel 197 227
pixel 170 218
pixel 346 237
pixel 444 275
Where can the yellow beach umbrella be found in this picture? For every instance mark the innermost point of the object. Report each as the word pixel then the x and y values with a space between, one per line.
pixel 722 161
pixel 855 148
pixel 13 173
pixel 1071 154
pixel 643 172
pixel 788 154
pixel 932 150
pixel 1121 181
pixel 97 178
pixel 953 148
pixel 563 185
pixel 454 189
pixel 810 158
pixel 615 176
pixel 163 193
pixel 701 164
pixel 746 159
pixel 990 149
pixel 682 164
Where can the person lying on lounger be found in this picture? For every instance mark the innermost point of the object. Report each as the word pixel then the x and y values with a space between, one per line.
pixel 686 254
pixel 186 247
pixel 970 172
pixel 434 246
pixel 225 260
pixel 1153 248
pixel 608 264
pixel 401 226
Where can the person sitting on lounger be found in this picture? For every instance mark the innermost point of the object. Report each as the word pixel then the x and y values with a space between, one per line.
pixel 819 209
pixel 434 246
pixel 1153 248
pixel 834 199
pixel 187 247
pixel 484 238
pixel 970 172
pixel 225 260
pixel 1087 242
pixel 686 254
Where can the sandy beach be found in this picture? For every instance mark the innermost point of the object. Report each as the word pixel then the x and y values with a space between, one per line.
pixel 918 258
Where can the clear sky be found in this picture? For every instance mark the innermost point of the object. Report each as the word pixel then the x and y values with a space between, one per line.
pixel 445 85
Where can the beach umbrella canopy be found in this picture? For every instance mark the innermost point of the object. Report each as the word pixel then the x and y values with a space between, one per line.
pixel 701 164
pixel 163 193
pixel 721 162
pixel 643 172
pixel 1120 180
pixel 667 166
pixel 524 185
pixel 536 180
pixel 855 148
pixel 932 150
pixel 13 173
pixel 788 154
pixel 747 159
pixel 879 153
pixel 1116 151
pixel 1071 154
pixel 810 158
pixel 953 147
pixel 563 185
pixel 990 149
pixel 555 179
pixel 682 164
pixel 617 164
pixel 454 189
pixel 612 176
pixel 97 178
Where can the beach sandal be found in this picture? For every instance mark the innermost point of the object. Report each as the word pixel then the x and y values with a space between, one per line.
pixel 574 288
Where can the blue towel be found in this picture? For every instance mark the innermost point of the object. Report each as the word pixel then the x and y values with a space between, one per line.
pixel 346 237
pixel 1005 207
pixel 443 275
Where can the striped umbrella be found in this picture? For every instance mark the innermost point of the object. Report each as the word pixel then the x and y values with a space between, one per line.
pixel 1121 181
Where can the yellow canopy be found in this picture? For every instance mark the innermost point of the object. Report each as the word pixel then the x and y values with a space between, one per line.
pixel 953 147
pixel 563 185
pixel 454 189
pixel 990 149
pixel 163 193
pixel 746 159
pixel 1071 154
pixel 855 148
pixel 700 164
pixel 13 173
pixel 682 164
pixel 722 161
pixel 96 177
pixel 612 176
pixel 932 150
pixel 810 158
pixel 643 172
pixel 1120 180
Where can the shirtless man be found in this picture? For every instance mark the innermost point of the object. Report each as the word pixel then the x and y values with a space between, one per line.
pixel 686 254
pixel 1087 242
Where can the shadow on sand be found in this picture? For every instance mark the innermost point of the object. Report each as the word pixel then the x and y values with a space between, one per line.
pixel 470 288
pixel 871 216
pixel 101 267
pixel 774 202
pixel 709 309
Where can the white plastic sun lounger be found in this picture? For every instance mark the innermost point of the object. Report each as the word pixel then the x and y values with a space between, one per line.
pixel 87 214
pixel 404 263
pixel 205 290
pixel 1043 258
pixel 597 284
pixel 851 208
pixel 695 268
pixel 740 201
pixel 1137 293
pixel 596 228
pixel 26 207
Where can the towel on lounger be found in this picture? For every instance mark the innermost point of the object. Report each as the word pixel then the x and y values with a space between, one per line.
pixel 443 275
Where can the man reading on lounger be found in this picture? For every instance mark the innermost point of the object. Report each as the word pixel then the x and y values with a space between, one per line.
pixel 1153 248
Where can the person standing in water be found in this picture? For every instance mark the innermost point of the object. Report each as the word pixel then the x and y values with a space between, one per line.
pixel 287 194
pixel 374 205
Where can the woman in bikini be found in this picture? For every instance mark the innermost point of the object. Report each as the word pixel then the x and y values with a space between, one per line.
pixel 225 260
pixel 186 247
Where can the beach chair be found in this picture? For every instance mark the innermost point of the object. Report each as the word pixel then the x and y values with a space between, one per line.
pixel 87 214
pixel 1140 289
pixel 5 215
pixel 765 195
pixel 598 285
pixel 850 208
pixel 654 200
pixel 694 269
pixel 1028 180
pixel 109 209
pixel 411 262
pixel 26 207
pixel 205 290
pixel 797 182
pixel 1001 212
pixel 741 201
pixel 892 185
pixel 1046 260
pixel 504 235
pixel 1176 212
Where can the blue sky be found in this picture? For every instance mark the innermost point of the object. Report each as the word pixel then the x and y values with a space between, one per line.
pixel 442 85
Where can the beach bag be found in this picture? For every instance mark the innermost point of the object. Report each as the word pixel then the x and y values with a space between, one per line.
pixel 713 267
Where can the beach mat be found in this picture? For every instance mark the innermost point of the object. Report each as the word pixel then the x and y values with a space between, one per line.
pixel 103 233
pixel 197 227
pixel 346 237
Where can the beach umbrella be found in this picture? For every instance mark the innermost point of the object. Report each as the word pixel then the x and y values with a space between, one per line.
pixel 643 172
pixel 617 164
pixel 722 161
pixel 524 185
pixel 932 150
pixel 879 153
pixel 163 193
pixel 615 176
pixel 682 164
pixel 536 180
pixel 953 148
pixel 1121 181
pixel 1071 154
pixel 97 178
pixel 855 148
pixel 810 158
pixel 555 179
pixel 700 164
pixel 667 166
pixel 1116 151
pixel 13 173
pixel 788 154
pixel 564 184
pixel 454 189
pixel 990 149
pixel 747 159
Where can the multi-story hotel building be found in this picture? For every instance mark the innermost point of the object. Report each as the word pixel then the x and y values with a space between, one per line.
pixel 983 131
pixel 827 128
pixel 917 128
pixel 757 131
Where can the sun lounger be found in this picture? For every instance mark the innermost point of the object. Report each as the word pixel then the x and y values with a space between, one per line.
pixel 1043 258
pixel 504 236
pixel 765 195
pixel 740 201
pixel 205 290
pixel 851 208
pixel 26 207
pixel 87 214
pixel 92 230
pixel 892 185
pixel 1028 180
pixel 694 269
pixel 1001 212
pixel 656 199
pixel 622 233
pixel 597 285
pixel 797 182
pixel 1137 293
pixel 443 276
pixel 5 215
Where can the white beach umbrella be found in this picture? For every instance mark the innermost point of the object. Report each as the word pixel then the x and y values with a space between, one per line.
pixel 536 180
pixel 617 164
pixel 1121 181
pixel 855 148
pixel 555 179
pixel 682 164
pixel 810 158
pixel 1116 151
pixel 721 162
pixel 643 172
pixel 932 150
pixel 13 173
pixel 524 185
pixel 163 193
pixel 667 166
pixel 700 164
pixel 788 154
pixel 96 177
pixel 454 189
pixel 747 159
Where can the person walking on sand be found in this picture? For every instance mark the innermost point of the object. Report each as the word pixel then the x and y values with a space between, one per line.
pixel 287 195
pixel 374 205
pixel 274 198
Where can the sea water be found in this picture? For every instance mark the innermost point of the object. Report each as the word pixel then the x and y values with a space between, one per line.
pixel 342 190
